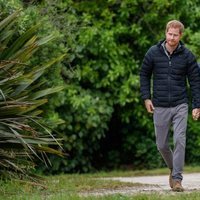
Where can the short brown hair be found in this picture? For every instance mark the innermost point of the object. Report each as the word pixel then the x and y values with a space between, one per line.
pixel 175 24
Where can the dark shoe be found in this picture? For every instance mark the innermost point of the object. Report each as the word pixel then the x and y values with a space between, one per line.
pixel 170 180
pixel 177 187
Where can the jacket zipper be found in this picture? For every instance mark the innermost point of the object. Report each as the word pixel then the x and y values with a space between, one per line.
pixel 169 79
pixel 169 72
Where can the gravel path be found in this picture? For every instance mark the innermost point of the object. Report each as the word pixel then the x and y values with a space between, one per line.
pixel 190 181
pixel 152 184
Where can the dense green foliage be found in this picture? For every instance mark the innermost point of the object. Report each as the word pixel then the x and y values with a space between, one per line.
pixel 99 113
pixel 111 46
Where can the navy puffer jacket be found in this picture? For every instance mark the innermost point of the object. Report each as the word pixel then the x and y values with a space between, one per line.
pixel 170 75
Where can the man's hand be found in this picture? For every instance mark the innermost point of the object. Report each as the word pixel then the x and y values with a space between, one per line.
pixel 196 113
pixel 149 105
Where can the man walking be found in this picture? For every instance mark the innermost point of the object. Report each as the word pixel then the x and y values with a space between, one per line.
pixel 171 64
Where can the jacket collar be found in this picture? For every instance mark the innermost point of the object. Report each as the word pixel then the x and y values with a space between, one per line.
pixel 180 47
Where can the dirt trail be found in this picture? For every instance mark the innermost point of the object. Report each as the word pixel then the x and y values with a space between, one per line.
pixel 191 182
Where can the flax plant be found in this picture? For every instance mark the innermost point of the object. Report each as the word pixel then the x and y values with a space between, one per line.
pixel 22 135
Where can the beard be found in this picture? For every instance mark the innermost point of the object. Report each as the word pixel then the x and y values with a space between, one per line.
pixel 172 43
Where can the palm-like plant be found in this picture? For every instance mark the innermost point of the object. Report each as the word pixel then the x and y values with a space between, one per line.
pixel 22 136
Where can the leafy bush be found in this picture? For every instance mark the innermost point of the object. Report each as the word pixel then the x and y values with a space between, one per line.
pixel 108 46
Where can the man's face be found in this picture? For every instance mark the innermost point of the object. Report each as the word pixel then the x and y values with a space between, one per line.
pixel 173 37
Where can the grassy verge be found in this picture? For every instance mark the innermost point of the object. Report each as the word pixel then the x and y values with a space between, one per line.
pixel 129 173
pixel 69 187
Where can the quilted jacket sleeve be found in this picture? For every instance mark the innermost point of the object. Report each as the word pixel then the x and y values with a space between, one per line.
pixel 194 80
pixel 145 75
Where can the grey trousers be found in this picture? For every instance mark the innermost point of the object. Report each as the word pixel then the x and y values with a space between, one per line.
pixel 176 117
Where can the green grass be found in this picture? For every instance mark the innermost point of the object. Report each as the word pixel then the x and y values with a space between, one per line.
pixel 70 186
